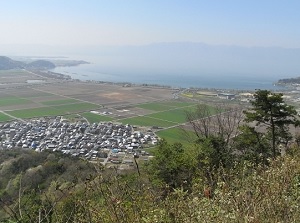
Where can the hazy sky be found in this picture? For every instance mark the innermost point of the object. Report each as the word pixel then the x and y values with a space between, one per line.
pixel 138 22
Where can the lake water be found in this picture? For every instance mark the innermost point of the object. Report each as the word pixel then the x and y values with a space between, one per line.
pixel 144 76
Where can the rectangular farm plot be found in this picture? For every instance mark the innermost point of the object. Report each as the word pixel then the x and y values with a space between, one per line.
pixel 28 93
pixel 4 118
pixel 175 135
pixel 165 105
pixel 146 121
pixel 60 102
pixel 154 106
pixel 17 76
pixel 35 112
pixel 37 94
pixel 13 72
pixel 178 104
pixel 95 118
pixel 77 107
pixel 11 100
pixel 175 115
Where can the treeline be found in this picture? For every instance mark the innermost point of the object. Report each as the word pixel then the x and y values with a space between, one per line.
pixel 242 167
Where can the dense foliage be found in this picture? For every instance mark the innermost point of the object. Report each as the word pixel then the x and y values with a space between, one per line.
pixel 245 193
pixel 25 177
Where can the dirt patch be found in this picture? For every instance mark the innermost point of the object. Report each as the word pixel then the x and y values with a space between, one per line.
pixel 115 96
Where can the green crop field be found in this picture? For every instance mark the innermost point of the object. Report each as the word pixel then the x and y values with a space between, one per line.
pixel 60 102
pixel 176 134
pixel 95 118
pixel 165 105
pixel 154 106
pixel 175 115
pixel 35 112
pixel 146 121
pixel 6 101
pixel 178 103
pixel 76 107
pixel 4 118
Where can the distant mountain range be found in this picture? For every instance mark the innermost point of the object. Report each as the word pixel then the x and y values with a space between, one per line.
pixel 7 63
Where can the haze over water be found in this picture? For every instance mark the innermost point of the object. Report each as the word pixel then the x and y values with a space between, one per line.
pixel 188 65
pixel 226 81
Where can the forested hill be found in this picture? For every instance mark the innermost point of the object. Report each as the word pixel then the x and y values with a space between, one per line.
pixel 35 175
pixel 295 80
pixel 40 64
pixel 7 63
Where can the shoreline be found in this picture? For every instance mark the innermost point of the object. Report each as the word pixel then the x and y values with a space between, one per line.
pixel 129 84
pixel 70 75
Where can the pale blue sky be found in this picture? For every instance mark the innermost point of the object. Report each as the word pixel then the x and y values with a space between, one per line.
pixel 138 22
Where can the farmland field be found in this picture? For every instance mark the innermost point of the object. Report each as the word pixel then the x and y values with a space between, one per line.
pixel 13 72
pixel 7 101
pixel 176 134
pixel 178 103
pixel 26 93
pixel 146 121
pixel 35 94
pixel 60 102
pixel 4 118
pixel 95 117
pixel 175 115
pixel 164 105
pixel 154 106
pixel 135 105
pixel 76 107
pixel 35 112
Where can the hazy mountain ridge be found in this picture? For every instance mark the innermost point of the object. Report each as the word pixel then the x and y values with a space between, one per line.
pixel 41 64
pixel 7 63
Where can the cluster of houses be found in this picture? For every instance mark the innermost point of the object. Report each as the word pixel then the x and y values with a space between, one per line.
pixel 104 140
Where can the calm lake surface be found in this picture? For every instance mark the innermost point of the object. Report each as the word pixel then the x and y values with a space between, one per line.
pixel 98 72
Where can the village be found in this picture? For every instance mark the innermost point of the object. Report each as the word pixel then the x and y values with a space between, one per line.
pixel 110 143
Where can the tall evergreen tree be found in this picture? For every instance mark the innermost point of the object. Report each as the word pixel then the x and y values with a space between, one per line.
pixel 270 110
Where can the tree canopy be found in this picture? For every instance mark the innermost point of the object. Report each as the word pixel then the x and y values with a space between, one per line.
pixel 270 110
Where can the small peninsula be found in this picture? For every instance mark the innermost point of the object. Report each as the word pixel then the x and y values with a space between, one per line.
pixel 289 81
pixel 7 63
